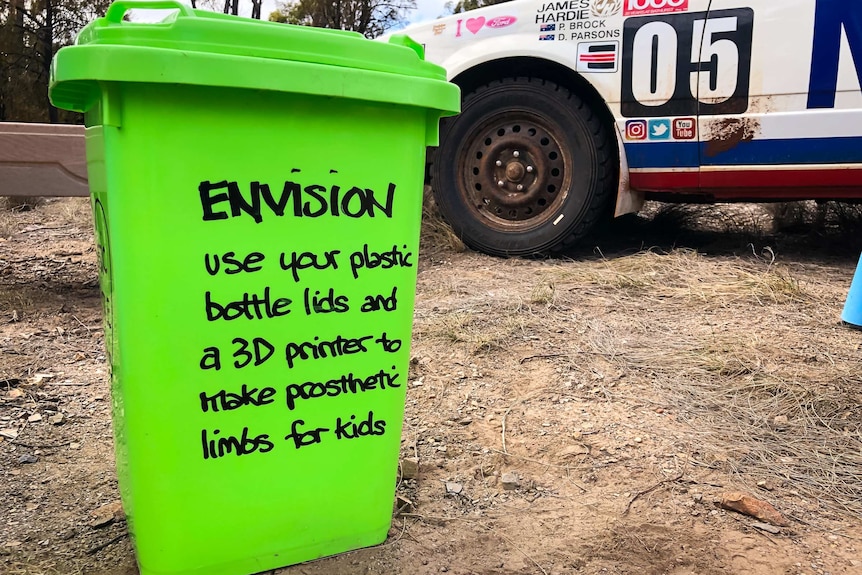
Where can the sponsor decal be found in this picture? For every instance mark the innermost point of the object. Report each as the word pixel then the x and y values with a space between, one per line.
pixel 679 65
pixel 598 56
pixel 566 5
pixel 475 24
pixel 636 130
pixel 577 16
pixel 581 30
pixel 594 34
pixel 472 24
pixel 563 11
pixel 500 22
pixel 659 129
pixel 644 7
pixel 605 8
pixel 831 18
pixel 684 129
pixel 546 37
pixel 438 29
pixel 662 129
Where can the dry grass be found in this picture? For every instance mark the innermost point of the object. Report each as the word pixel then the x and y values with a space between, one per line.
pixel 686 275
pixel 9 206
pixel 436 233
pixel 75 211
pixel 746 349
pixel 794 216
pixel 69 211
pixel 745 352
pixel 481 329
pixel 737 219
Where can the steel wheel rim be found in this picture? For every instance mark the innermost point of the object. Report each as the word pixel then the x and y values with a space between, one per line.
pixel 514 172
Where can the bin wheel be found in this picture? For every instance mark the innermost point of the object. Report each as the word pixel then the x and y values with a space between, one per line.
pixel 526 168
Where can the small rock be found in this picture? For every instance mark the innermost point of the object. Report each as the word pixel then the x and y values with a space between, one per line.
pixel 749 505
pixel 697 497
pixel 107 514
pixel 767 485
pixel 855 563
pixel 454 488
pixel 34 418
pixel 576 449
pixel 57 419
pixel 767 527
pixel 74 446
pixel 779 421
pixel 14 393
pixel 40 377
pixel 466 421
pixel 410 467
pixel 67 534
pixel 27 458
pixel 638 439
pixel 510 481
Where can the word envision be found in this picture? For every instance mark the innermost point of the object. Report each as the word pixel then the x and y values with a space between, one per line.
pixel 311 201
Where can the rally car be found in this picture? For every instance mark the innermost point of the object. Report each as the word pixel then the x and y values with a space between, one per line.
pixel 577 110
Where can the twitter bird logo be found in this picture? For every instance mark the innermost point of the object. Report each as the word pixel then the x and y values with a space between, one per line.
pixel 659 129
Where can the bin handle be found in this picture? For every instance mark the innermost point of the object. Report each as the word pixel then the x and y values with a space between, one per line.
pixel 118 9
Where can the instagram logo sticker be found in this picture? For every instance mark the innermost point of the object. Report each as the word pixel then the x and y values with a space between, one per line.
pixel 636 130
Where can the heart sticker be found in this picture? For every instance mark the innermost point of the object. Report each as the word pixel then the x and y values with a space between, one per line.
pixel 475 24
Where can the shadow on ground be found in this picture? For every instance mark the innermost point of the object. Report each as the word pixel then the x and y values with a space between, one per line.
pixel 800 231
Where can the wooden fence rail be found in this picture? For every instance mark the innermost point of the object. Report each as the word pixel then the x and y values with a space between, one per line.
pixel 42 160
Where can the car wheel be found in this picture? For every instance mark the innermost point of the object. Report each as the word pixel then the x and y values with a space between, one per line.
pixel 526 168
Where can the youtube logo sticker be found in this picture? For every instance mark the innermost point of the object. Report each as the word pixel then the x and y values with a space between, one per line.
pixel 684 129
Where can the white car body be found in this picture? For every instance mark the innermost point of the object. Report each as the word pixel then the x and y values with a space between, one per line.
pixel 712 100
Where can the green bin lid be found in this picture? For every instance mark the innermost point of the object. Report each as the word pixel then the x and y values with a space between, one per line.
pixel 210 49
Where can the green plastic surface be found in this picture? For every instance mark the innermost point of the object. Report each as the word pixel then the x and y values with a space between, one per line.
pixel 212 49
pixel 307 210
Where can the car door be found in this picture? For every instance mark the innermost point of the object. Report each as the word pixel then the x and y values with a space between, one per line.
pixel 658 103
pixel 780 109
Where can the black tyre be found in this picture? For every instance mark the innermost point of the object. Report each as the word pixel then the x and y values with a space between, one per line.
pixel 526 168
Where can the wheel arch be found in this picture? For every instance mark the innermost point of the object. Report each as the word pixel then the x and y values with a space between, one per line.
pixel 627 200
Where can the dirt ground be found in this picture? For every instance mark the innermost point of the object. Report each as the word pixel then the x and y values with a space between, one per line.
pixel 581 414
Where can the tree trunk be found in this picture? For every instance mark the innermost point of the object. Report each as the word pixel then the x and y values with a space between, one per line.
pixel 48 55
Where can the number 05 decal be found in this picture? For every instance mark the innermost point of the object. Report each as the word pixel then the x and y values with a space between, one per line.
pixel 686 64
